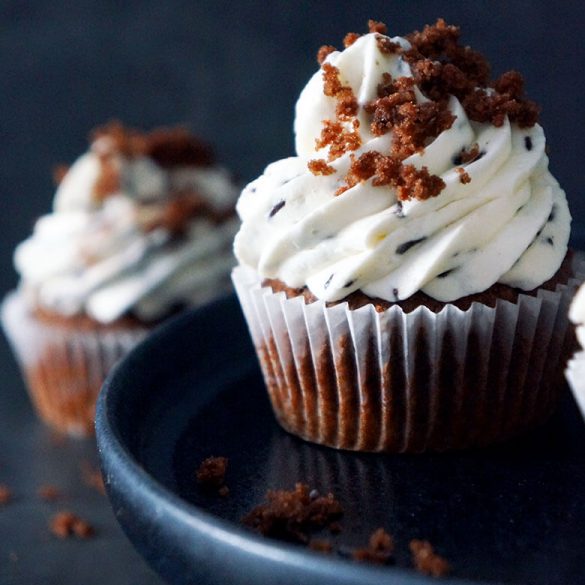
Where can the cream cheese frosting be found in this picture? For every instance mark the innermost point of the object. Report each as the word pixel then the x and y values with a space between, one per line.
pixel 110 256
pixel 508 222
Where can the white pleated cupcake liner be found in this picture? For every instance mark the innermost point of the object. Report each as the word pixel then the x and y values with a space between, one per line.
pixel 64 367
pixel 409 382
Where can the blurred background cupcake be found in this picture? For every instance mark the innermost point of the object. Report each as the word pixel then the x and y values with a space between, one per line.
pixel 141 228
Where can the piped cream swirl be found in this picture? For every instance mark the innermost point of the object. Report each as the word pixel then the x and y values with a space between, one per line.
pixel 106 260
pixel 509 224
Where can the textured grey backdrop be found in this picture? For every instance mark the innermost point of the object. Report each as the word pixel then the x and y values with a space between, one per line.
pixel 232 72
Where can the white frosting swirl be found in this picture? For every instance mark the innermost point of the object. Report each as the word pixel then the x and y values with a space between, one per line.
pixel 99 259
pixel 509 224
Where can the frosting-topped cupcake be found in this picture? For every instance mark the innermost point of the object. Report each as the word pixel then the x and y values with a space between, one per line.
pixel 401 272
pixel 141 227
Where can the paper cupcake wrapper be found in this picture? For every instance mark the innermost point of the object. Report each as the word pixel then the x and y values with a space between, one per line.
pixel 64 367
pixel 575 374
pixel 398 382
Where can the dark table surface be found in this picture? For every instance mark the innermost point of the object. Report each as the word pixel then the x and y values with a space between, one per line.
pixel 30 456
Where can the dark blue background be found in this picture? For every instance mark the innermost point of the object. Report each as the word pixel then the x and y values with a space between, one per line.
pixel 232 71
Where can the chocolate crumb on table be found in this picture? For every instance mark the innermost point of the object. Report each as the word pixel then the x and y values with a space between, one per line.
pixel 65 524
pixel 92 477
pixel 5 494
pixel 293 515
pixel 49 493
pixel 321 545
pixel 426 560
pixel 211 475
pixel 379 551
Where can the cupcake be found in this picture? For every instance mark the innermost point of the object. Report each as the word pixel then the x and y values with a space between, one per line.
pixel 575 371
pixel 406 276
pixel 141 228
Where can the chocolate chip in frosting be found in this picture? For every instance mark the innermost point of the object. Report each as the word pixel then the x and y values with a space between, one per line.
pixel 397 209
pixel 446 273
pixel 328 281
pixel 349 283
pixel 277 208
pixel 551 217
pixel 395 293
pixel 403 248
pixel 550 241
pixel 528 142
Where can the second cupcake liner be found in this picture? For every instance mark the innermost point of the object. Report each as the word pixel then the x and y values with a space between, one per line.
pixel 64 367
pixel 409 382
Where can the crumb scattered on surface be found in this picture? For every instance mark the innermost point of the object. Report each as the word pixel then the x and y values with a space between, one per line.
pixel 5 494
pixel 211 475
pixel 293 515
pixel 426 560
pixel 379 551
pixel 224 491
pixel 92 477
pixel 65 524
pixel 321 545
pixel 49 493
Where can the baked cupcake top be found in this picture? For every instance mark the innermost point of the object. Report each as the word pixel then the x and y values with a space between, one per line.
pixel 141 225
pixel 414 172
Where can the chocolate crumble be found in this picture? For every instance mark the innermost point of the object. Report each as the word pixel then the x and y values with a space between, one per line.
pixel 324 52
pixel 293 515
pixel 464 177
pixel 5 494
pixel 441 67
pixel 379 551
pixel 320 167
pixel 211 474
pixel 49 493
pixel 350 39
pixel 65 524
pixel 426 560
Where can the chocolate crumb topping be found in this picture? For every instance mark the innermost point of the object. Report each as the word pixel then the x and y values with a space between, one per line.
pixel 293 515
pixel 441 68
pixel 528 142
pixel 324 52
pixel 386 45
pixel 350 38
pixel 320 167
pixel 375 26
pixel 464 177
pixel 426 560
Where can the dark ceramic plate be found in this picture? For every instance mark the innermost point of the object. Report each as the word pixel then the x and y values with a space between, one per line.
pixel 511 514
